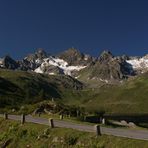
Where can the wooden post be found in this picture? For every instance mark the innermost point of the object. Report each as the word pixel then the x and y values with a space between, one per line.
pixel 22 119
pixel 61 117
pixel 78 113
pixel 5 116
pixel 97 130
pixel 39 114
pixel 84 118
pixel 103 121
pixel 51 123
pixel 69 116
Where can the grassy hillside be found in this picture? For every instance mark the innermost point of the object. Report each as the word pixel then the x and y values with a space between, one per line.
pixel 129 97
pixel 18 87
pixel 40 136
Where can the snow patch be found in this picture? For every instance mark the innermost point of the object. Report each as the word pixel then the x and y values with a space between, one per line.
pixel 140 63
pixel 67 70
pixel 59 63
pixel 103 80
pixel 38 61
pixel 85 58
pixel 1 62
pixel 38 70
pixel 51 73
pixel 77 77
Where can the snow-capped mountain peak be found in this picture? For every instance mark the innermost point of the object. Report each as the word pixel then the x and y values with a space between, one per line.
pixel 60 63
pixel 71 62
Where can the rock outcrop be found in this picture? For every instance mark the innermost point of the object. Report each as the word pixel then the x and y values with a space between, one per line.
pixel 73 57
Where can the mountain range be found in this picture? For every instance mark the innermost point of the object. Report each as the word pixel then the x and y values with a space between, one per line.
pixel 105 68
pixel 114 84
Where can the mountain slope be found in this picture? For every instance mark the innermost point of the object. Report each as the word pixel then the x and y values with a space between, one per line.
pixel 106 69
pixel 28 87
pixel 23 85
pixel 17 87
pixel 128 97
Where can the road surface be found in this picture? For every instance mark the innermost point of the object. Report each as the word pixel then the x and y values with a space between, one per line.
pixel 128 133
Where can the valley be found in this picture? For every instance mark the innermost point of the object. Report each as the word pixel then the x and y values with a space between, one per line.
pixel 81 89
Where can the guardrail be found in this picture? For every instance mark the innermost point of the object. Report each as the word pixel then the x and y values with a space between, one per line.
pixel 135 134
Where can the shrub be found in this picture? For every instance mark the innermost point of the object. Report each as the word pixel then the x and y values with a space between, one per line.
pixel 3 136
pixel 47 131
pixel 22 133
pixel 70 139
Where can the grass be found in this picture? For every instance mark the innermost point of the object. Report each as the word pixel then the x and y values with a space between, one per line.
pixel 110 123
pixel 19 88
pixel 130 97
pixel 40 136
pixel 127 98
pixel 71 119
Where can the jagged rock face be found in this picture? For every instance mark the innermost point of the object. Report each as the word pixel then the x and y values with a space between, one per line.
pixel 125 57
pixel 40 62
pixel 27 65
pixel 109 67
pixel 54 70
pixel 38 55
pixel 105 57
pixel 41 54
pixel 32 61
pixel 74 63
pixel 9 63
pixel 73 57
pixel 110 70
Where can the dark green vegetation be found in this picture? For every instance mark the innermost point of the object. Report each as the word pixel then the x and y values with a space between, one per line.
pixel 33 135
pixel 20 88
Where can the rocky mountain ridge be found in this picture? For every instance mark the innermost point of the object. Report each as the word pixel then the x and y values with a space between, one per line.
pixel 74 63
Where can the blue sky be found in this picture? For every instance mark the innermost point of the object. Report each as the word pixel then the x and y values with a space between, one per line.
pixel 89 25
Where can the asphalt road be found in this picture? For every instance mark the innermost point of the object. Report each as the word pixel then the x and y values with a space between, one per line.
pixel 134 134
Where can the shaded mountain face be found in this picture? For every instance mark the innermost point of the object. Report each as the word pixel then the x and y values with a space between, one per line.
pixel 8 63
pixel 74 63
pixel 32 61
